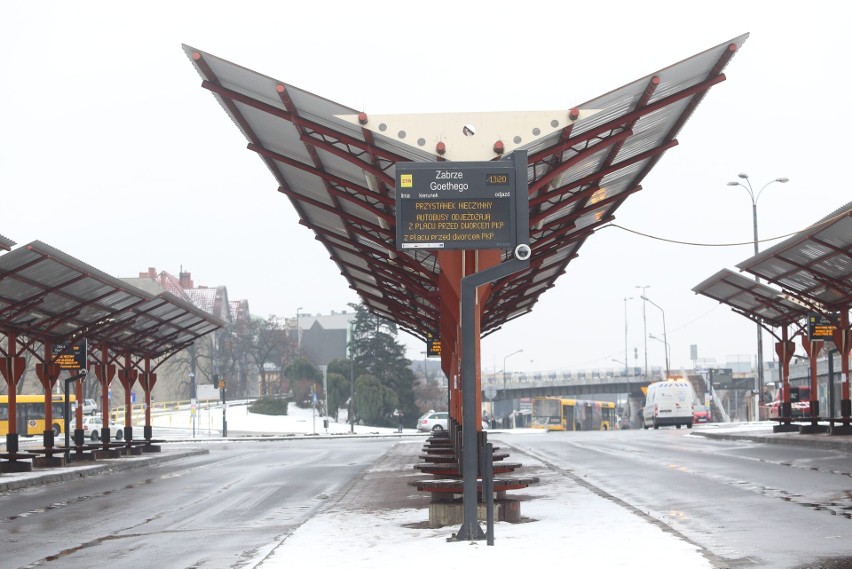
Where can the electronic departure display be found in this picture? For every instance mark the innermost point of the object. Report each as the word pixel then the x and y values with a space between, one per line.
pixel 71 355
pixel 455 205
pixel 820 327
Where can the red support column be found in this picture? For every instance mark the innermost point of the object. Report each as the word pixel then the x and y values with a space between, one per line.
pixel 785 349
pixel 127 376
pixel 449 286
pixel 105 372
pixel 813 348
pixel 47 374
pixel 842 341
pixel 147 380
pixel 12 369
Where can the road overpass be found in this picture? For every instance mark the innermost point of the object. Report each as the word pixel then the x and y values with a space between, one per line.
pixel 518 386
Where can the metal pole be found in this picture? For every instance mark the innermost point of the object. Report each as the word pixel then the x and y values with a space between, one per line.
pixel 488 491
pixel 626 298
pixel 759 379
pixel 224 410
pixel 645 326
pixel 666 342
pixel 754 197
pixel 298 335
pixel 193 401
pixel 505 392
pixel 470 529
pixel 665 336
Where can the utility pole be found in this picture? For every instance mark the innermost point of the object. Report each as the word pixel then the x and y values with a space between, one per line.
pixel 759 383
pixel 626 298
pixel 645 326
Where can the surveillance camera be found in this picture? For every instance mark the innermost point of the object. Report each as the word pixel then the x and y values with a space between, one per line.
pixel 523 252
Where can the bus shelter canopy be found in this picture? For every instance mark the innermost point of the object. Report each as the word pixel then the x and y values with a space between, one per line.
pixel 752 299
pixel 815 265
pixel 337 167
pixel 47 295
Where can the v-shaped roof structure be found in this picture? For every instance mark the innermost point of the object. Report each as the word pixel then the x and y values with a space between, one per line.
pixel 337 167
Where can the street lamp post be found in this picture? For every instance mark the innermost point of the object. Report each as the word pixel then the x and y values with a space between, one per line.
pixel 298 335
pixel 754 197
pixel 626 298
pixel 665 345
pixel 665 336
pixel 644 325
pixel 504 369
pixel 193 389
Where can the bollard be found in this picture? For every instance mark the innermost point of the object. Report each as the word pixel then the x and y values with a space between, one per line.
pixel 488 491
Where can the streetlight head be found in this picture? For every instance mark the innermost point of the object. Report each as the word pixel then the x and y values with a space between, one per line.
pixel 643 297
pixel 733 183
pixel 743 175
pixel 782 180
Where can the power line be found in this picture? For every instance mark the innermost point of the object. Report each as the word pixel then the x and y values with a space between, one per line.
pixel 695 244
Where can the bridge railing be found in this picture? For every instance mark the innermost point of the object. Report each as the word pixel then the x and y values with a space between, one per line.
pixel 596 377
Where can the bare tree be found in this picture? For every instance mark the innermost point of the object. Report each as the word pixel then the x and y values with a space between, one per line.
pixel 265 342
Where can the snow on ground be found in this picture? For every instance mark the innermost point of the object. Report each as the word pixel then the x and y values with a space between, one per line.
pixel 569 524
pixel 242 422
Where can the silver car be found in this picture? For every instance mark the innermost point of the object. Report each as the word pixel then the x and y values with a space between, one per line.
pixel 433 421
pixel 92 428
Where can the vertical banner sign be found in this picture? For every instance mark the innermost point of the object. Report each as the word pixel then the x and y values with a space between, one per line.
pixel 455 205
pixel 73 356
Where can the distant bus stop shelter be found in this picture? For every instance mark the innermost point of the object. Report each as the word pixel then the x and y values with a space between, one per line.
pixel 48 298
pixel 813 270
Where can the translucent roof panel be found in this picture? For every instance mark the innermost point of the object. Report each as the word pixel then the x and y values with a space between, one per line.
pixel 757 301
pixel 337 166
pixel 815 264
pixel 47 295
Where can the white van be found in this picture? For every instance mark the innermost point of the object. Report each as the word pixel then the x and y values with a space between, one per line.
pixel 668 403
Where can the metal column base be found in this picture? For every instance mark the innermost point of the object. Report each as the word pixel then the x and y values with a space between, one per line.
pixel 48 461
pixel 9 466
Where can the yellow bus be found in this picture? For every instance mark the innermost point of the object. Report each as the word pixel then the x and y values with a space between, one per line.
pixel 561 414
pixel 30 414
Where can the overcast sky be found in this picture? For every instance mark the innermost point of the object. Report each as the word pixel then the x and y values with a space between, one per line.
pixel 111 151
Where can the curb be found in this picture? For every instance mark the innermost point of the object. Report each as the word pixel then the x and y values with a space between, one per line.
pixel 61 474
pixel 835 442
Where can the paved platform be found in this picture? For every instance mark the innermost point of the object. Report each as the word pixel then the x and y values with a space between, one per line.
pixel 385 485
